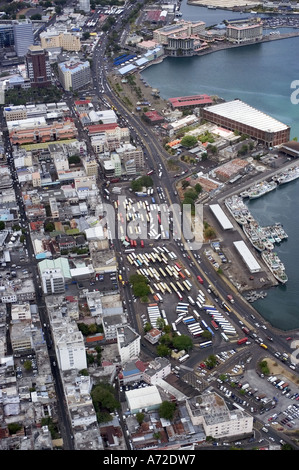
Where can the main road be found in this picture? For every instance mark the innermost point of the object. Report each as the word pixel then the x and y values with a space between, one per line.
pixel 156 157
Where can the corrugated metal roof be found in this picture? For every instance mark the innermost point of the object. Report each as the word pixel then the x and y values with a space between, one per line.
pixel 241 112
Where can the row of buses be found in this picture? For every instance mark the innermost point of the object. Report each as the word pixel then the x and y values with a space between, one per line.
pixel 162 276
pixel 143 212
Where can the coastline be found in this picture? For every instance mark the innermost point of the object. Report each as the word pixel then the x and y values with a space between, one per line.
pixel 221 46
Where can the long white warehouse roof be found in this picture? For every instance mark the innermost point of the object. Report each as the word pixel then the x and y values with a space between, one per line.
pixel 221 217
pixel 239 111
pixel 143 398
pixel 247 256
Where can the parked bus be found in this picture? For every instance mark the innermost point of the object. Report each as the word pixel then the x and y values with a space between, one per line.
pixel 174 326
pixel 184 358
pixel 179 295
pixel 180 286
pixel 214 325
pixel 182 275
pixel 186 286
pixel 178 320
pixel 223 335
pixel 179 267
pixel 206 344
pixel 190 300
pixel 187 272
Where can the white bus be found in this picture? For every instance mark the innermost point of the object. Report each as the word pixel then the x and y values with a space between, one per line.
pixel 190 300
pixel 184 358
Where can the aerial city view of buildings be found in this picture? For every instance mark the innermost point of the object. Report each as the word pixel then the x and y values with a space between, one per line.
pixel 116 333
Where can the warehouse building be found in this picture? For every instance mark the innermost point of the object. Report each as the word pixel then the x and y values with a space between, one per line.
pixel 239 116
pixel 247 257
pixel 221 217
pixel 143 399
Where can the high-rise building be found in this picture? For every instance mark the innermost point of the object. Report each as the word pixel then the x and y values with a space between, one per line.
pixel 53 281
pixel 23 36
pixel 84 5
pixel 38 67
pixel 65 40
pixel 74 74
pixel 6 35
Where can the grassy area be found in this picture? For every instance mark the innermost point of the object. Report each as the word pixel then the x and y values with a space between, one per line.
pixel 44 145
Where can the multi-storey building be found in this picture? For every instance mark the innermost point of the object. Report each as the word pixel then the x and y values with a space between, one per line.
pixel 84 5
pixel 69 345
pixel 238 116
pixel 246 32
pixel 65 40
pixel 23 36
pixel 128 342
pixel 211 411
pixel 42 133
pixel 53 281
pixel 180 29
pixel 6 35
pixel 74 74
pixel 38 67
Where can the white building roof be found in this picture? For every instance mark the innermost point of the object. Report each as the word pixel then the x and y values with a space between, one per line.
pixel 241 112
pixel 126 69
pixel 143 397
pixel 247 256
pixel 221 217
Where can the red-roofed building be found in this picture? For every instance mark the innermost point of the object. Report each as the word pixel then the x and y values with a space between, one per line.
pixel 101 128
pixel 153 117
pixel 190 102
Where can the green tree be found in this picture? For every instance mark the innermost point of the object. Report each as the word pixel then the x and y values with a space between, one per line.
pixel 185 184
pixel 167 410
pixel 163 350
pixel 103 398
pixel 74 159
pixel 189 141
pixel 49 227
pixel 13 428
pixel 182 342
pixel 140 285
pixel 139 418
pixel 2 225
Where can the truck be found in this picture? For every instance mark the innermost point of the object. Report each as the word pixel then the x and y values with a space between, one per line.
pixel 242 340
pixel 230 298
pixel 246 330
pixel 213 290
pixel 245 386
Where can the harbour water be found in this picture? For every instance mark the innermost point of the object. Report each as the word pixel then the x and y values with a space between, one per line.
pixel 261 75
pixel 281 306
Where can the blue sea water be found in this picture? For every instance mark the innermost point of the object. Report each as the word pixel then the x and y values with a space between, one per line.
pixel 261 75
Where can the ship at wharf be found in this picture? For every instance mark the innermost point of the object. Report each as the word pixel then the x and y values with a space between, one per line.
pixel 263 239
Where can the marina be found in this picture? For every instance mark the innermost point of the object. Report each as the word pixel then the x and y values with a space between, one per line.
pixel 259 189
pixel 263 239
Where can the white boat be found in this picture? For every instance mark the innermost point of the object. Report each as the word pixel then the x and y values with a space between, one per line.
pixel 261 189
pixel 288 176
pixel 275 265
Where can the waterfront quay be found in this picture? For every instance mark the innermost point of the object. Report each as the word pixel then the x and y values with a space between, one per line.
pixel 236 271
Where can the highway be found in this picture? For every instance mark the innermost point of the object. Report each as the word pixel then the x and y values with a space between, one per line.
pixel 156 156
